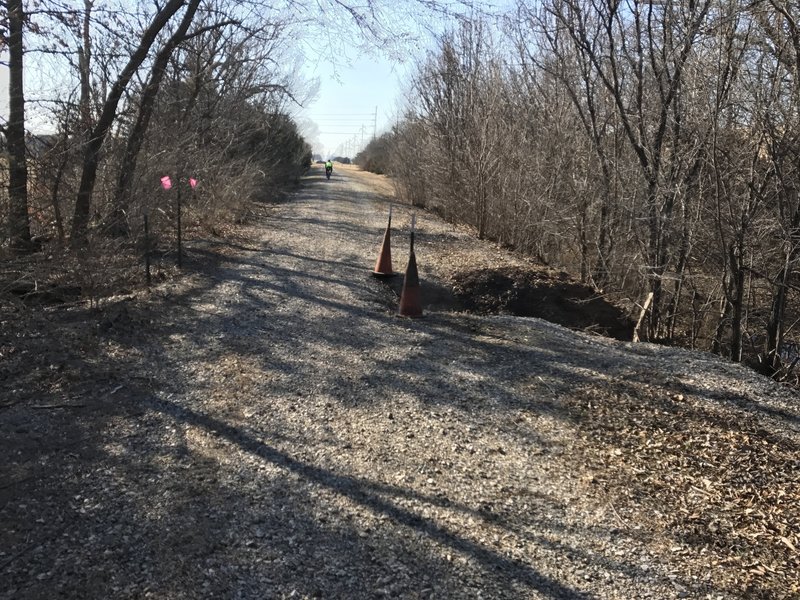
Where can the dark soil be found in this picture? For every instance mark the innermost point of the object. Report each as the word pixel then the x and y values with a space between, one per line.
pixel 550 295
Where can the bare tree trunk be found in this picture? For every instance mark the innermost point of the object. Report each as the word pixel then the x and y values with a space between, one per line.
pixel 737 272
pixel 84 68
pixel 54 199
pixel 725 309
pixel 583 242
pixel 482 204
pixel 775 328
pixel 684 250
pixel 604 241
pixel 19 228
pixel 645 306
pixel 775 324
pixel 696 320
pixel 656 251
pixel 91 159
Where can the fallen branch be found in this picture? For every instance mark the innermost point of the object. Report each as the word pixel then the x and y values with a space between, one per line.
pixel 28 548
pixel 13 483
pixel 641 316
pixel 622 521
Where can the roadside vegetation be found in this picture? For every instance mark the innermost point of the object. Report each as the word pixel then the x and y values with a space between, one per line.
pixel 133 124
pixel 649 148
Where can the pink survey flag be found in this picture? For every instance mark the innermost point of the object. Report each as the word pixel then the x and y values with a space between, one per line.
pixel 192 182
pixel 166 182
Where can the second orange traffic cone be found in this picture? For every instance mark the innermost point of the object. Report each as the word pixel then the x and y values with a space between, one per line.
pixel 410 302
pixel 383 266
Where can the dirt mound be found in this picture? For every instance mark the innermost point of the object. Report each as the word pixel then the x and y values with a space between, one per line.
pixel 553 296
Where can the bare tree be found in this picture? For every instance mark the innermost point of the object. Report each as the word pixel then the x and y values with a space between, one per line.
pixel 641 64
pixel 462 94
pixel 782 28
pixel 98 134
pixel 592 104
pixel 19 223
pixel 117 223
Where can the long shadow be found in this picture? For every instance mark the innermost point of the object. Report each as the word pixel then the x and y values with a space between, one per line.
pixel 359 492
pixel 516 374
pixel 580 363
pixel 465 337
pixel 284 274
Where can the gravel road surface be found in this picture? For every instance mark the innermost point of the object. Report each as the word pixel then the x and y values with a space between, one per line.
pixel 266 427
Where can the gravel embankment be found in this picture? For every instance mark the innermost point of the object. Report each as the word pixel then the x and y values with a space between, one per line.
pixel 268 428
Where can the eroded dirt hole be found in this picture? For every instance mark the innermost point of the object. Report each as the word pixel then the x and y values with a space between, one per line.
pixel 550 295
pixel 526 292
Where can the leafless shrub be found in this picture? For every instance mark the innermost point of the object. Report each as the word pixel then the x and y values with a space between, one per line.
pixel 651 149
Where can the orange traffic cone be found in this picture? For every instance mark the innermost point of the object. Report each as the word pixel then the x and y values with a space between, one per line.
pixel 383 266
pixel 410 304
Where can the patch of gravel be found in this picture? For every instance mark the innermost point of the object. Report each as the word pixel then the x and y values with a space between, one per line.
pixel 268 428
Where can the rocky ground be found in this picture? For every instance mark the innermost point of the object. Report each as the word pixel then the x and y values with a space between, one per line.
pixel 266 427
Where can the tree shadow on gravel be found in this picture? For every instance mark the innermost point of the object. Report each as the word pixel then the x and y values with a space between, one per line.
pixel 435 385
pixel 137 488
pixel 427 374
pixel 119 505
pixel 379 499
pixel 173 522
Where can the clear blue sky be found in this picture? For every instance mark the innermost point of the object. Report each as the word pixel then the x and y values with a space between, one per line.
pixel 350 89
pixel 350 93
pixel 345 106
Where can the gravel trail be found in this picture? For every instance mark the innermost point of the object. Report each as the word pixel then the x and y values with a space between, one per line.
pixel 268 428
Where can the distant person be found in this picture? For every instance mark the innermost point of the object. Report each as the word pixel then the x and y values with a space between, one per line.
pixel 328 169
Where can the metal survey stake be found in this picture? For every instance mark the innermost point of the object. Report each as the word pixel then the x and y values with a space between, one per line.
pixel 180 241
pixel 147 249
pixel 410 302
